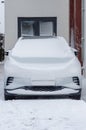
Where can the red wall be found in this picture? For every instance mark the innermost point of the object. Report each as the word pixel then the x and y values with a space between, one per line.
pixel 75 26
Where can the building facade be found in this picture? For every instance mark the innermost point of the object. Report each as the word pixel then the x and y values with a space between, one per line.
pixel 47 10
pixel 84 34
pixel 2 16
pixel 75 27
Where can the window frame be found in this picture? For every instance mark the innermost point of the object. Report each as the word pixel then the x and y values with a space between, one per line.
pixel 38 19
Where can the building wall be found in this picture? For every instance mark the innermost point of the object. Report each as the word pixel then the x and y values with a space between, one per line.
pixel 35 8
pixel 84 34
pixel 75 27
pixel 2 16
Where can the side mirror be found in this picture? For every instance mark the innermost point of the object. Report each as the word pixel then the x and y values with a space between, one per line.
pixel 7 52
pixel 75 51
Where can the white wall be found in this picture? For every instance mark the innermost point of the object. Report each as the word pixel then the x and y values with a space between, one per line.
pixel 1 17
pixel 35 8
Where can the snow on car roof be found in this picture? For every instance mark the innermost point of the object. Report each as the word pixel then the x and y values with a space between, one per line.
pixel 42 47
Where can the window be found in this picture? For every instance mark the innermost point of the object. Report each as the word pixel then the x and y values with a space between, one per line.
pixel 38 26
pixel 27 28
pixel 46 28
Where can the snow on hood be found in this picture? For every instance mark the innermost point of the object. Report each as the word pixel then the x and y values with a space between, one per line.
pixel 42 47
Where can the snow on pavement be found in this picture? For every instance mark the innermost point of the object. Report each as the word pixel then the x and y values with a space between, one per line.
pixel 43 115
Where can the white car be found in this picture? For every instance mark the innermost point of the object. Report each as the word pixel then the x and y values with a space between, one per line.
pixel 42 67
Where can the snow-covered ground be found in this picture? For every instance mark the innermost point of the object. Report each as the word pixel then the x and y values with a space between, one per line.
pixel 42 114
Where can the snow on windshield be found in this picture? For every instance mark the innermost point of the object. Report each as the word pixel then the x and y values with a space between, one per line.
pixel 48 47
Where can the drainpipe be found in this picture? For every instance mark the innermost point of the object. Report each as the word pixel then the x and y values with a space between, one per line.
pixel 84 36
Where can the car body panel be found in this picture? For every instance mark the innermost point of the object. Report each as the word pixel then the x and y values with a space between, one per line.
pixel 42 62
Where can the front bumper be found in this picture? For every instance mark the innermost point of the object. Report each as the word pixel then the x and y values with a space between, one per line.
pixel 10 96
pixel 24 88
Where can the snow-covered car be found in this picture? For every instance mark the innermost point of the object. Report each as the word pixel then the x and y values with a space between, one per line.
pixel 42 67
